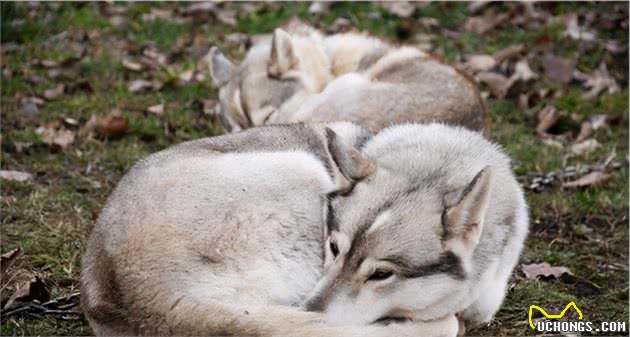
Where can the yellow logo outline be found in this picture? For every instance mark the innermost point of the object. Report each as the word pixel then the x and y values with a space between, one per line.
pixel 550 316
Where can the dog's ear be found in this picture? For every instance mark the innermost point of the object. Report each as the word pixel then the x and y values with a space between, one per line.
pixel 464 212
pixel 352 164
pixel 221 68
pixel 283 57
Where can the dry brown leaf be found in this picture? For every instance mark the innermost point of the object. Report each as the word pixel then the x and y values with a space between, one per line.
pixel 547 117
pixel 34 290
pixel 486 23
pixel 476 6
pixel 497 83
pixel 403 9
pixel 522 72
pixel 319 7
pixel 559 69
pixel 186 76
pixel 9 258
pixel 49 64
pixel 585 146
pixel 55 92
pixel 598 81
pixel 543 270
pixel 227 16
pixel 15 176
pixel 29 110
pixel 112 126
pixel 157 13
pixel 155 56
pixel 576 32
pixel 156 109
pixel 591 124
pixel 480 62
pixel 591 179
pixel 131 65
pixel 139 85
pixel 508 53
pixel 57 138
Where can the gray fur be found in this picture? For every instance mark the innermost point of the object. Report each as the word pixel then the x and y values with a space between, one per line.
pixel 222 236
pixel 443 212
pixel 300 76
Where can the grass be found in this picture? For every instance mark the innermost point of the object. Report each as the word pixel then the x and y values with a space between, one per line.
pixel 50 217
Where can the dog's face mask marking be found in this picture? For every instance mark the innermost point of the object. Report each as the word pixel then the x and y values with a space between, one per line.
pixel 397 247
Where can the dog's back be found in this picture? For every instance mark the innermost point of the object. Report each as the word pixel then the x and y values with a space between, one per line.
pixel 198 234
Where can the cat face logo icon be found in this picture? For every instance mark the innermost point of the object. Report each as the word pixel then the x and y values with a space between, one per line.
pixel 551 316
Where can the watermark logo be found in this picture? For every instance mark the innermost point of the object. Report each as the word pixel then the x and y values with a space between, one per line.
pixel 558 316
pixel 552 324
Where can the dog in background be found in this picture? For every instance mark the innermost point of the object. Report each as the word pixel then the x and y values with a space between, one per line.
pixel 299 75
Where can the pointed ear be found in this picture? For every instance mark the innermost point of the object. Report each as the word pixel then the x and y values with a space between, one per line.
pixel 464 212
pixel 283 56
pixel 352 164
pixel 221 68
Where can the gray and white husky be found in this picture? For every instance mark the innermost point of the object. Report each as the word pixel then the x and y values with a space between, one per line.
pixel 437 228
pixel 301 76
pixel 224 236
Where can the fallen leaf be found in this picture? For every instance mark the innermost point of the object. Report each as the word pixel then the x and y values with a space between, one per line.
pixel 585 146
pixel 57 138
pixel 576 32
pixel 118 21
pixel 227 16
pixel 480 62
pixel 547 117
pixel 139 85
pixel 200 8
pixel 156 109
pixel 319 7
pixel 543 270
pixel 155 55
pixel 186 76
pixel 590 179
pixel 598 81
pixel 131 65
pixel 497 83
pixel 55 92
pixel 15 176
pixel 486 23
pixel 613 46
pixel 71 121
pixel 9 258
pixel 591 124
pixel 34 290
pixel 112 126
pixel 156 13
pixel 476 6
pixel 403 9
pixel 29 110
pixel 508 53
pixel 559 69
pixel 523 72
pixel 49 64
